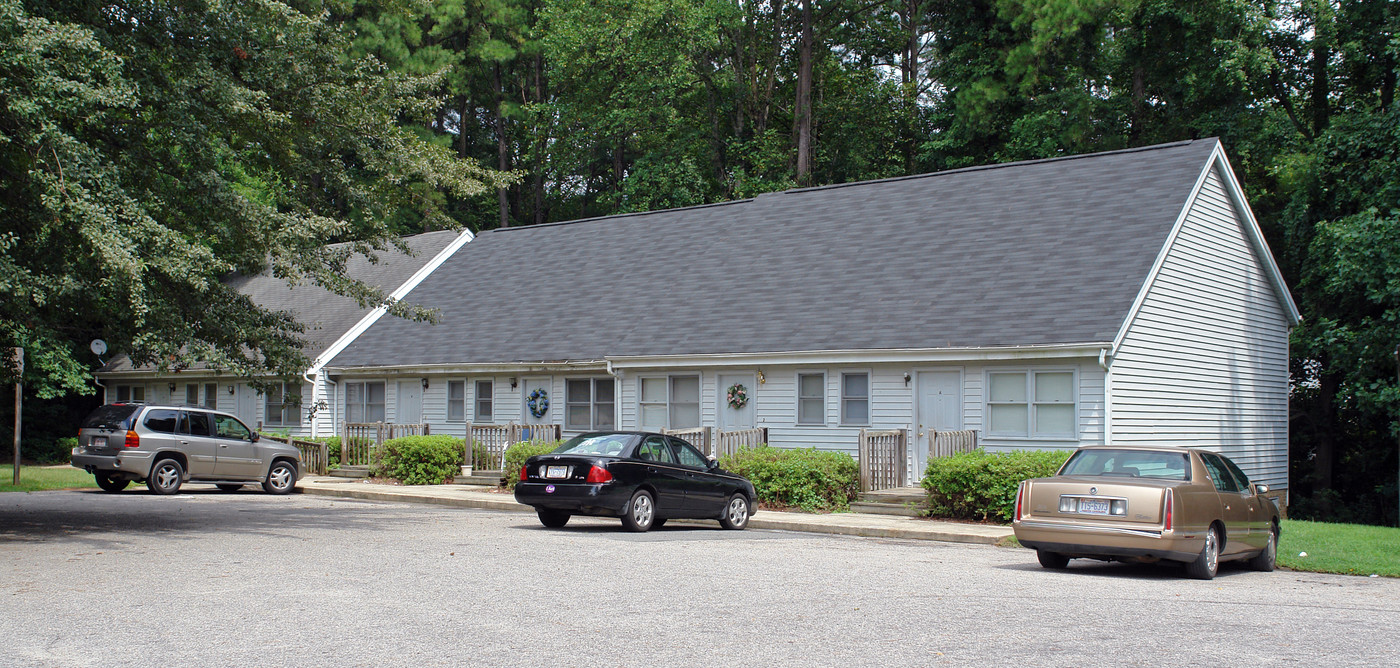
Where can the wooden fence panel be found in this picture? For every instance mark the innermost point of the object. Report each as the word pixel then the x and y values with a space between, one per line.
pixel 696 436
pixel 882 459
pixel 359 439
pixel 315 457
pixel 949 443
pixel 490 441
pixel 729 442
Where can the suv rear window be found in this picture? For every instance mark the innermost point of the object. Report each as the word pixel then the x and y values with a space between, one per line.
pixel 111 416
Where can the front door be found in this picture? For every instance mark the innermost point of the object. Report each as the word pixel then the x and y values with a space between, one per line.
pixel 730 418
pixel 545 404
pixel 247 405
pixel 940 409
pixel 410 402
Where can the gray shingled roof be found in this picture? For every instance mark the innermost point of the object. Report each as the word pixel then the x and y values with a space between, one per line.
pixel 327 315
pixel 1031 253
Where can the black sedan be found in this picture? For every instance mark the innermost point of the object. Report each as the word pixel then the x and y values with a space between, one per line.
pixel 643 478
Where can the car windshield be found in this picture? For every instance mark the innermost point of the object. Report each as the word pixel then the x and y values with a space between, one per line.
pixel 609 445
pixel 111 416
pixel 1128 463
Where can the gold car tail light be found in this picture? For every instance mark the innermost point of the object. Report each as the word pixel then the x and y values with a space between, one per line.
pixel 1167 513
pixel 1020 501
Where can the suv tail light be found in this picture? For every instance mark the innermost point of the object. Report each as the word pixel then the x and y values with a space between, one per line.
pixel 598 474
pixel 523 475
pixel 1167 514
pixel 133 440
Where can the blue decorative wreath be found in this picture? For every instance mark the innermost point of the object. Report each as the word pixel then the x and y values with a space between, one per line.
pixel 538 402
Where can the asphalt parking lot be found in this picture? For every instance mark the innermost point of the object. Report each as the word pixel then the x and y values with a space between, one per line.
pixel 207 578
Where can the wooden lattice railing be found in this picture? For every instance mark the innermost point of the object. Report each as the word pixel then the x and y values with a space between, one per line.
pixel 882 459
pixel 489 441
pixel 696 436
pixel 359 439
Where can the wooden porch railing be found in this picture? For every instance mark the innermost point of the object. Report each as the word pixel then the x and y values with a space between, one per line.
pixel 882 459
pixel 359 439
pixel 729 442
pixel 485 446
pixel 315 457
pixel 696 436
pixel 949 443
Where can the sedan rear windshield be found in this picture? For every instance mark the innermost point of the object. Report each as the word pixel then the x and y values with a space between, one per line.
pixel 1129 464
pixel 111 416
pixel 610 445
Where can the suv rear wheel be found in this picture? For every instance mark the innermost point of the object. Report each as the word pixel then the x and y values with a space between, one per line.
pixel 110 484
pixel 166 477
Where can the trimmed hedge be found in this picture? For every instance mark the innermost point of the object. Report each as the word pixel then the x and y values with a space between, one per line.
pixel 419 460
pixel 982 486
pixel 806 479
pixel 517 454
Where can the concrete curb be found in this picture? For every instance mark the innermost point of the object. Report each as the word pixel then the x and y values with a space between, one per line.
pixel 852 524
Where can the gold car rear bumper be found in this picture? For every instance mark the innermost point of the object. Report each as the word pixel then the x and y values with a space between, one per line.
pixel 1107 542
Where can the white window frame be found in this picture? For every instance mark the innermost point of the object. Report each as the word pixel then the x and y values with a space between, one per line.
pixel 462 415
pixel 797 392
pixel 869 396
pixel 670 401
pixel 490 399
pixel 592 402
pixel 364 396
pixel 282 407
pixel 1031 403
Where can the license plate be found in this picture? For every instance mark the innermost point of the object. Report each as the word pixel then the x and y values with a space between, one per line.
pixel 1093 506
pixel 563 472
pixel 98 442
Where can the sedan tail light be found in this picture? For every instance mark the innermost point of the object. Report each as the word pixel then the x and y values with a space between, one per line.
pixel 133 440
pixel 598 474
pixel 1020 498
pixel 523 475
pixel 1167 514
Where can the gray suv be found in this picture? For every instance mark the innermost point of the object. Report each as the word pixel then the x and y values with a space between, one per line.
pixel 167 446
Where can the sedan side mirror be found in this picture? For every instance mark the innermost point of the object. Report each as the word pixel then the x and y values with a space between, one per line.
pixel 712 463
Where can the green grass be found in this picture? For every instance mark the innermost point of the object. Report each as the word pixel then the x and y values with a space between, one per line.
pixel 1348 549
pixel 36 478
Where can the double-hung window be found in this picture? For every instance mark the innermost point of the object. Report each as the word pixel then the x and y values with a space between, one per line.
pixel 670 402
pixel 485 401
pixel 589 404
pixel 456 400
pixel 364 402
pixel 1031 404
pixel 192 394
pixel 811 398
pixel 855 398
pixel 131 393
pixel 282 405
pixel 211 395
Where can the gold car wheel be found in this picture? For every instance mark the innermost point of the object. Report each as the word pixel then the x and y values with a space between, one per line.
pixel 1206 565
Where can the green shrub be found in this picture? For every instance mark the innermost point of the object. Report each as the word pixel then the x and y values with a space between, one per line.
pixel 419 460
pixel 982 486
pixel 807 479
pixel 517 454
pixel 45 452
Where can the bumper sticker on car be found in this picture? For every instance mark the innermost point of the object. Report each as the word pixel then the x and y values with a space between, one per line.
pixel 549 489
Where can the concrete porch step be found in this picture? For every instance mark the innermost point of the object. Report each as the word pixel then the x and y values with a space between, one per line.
pixel 483 478
pixel 349 472
pixel 898 495
pixel 886 509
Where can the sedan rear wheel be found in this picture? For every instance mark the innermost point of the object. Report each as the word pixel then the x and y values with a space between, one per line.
pixel 1206 565
pixel 1052 559
pixel 110 484
pixel 736 513
pixel 1264 561
pixel 166 477
pixel 641 512
pixel 553 518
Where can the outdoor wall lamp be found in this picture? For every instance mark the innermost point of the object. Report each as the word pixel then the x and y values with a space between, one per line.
pixel 906 379
pixel 760 377
pixel 172 388
pixel 230 390
pixel 512 382
pixel 425 383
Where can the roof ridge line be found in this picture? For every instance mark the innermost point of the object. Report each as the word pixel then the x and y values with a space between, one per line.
pixel 615 216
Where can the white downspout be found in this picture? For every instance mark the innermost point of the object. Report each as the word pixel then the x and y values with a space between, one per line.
pixel 1107 396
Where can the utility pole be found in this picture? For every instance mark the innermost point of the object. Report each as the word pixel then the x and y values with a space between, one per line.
pixel 1397 473
pixel 18 405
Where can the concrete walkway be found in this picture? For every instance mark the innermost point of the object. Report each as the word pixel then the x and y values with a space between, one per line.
pixel 847 524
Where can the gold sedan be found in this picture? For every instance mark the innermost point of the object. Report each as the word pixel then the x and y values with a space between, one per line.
pixel 1148 504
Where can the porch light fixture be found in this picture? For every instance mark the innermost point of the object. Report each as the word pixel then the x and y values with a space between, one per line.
pixel 906 379
pixel 760 377
pixel 172 388
pixel 512 382
pixel 230 390
pixel 425 383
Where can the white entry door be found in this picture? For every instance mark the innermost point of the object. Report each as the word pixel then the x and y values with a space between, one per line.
pixel 940 409
pixel 730 418
pixel 247 409
pixel 409 402
pixel 527 387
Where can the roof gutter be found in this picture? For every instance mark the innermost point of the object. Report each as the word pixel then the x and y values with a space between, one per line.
pixel 874 356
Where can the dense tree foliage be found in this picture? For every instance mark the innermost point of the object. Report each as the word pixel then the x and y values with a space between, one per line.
pixel 199 137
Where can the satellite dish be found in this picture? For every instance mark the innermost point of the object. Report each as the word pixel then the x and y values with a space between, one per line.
pixel 98 346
